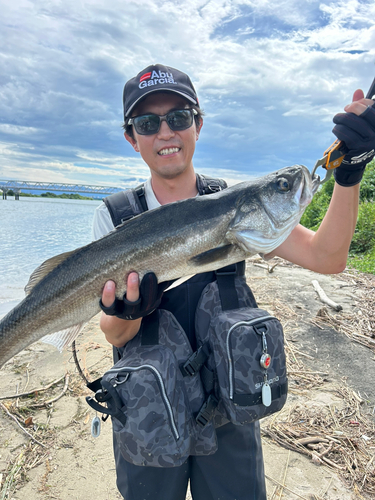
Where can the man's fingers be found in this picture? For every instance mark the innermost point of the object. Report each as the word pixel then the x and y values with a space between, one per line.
pixel 109 293
pixel 359 104
pixel 132 290
pixel 132 287
pixel 358 95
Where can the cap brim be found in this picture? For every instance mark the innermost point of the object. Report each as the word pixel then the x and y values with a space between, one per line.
pixel 186 96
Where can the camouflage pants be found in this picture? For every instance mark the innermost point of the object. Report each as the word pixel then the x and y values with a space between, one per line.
pixel 235 471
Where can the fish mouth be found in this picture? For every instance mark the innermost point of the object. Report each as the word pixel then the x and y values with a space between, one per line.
pixel 315 183
pixel 307 188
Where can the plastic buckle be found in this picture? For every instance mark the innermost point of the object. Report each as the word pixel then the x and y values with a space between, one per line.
pixel 207 411
pixel 213 188
pixel 102 396
pixel 192 365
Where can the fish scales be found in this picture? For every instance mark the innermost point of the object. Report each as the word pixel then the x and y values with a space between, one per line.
pixel 179 239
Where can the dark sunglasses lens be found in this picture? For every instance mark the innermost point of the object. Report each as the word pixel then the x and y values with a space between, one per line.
pixel 180 119
pixel 147 124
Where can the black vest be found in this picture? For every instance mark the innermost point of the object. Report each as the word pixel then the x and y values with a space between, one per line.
pixel 181 301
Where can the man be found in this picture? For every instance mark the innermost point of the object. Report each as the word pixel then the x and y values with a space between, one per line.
pixel 167 144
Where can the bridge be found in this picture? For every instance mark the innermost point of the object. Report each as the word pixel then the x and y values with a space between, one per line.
pixel 18 186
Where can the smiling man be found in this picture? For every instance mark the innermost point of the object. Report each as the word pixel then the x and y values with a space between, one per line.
pixel 163 121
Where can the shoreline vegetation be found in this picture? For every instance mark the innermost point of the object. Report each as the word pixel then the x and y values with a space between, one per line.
pixel 362 248
pixel 48 194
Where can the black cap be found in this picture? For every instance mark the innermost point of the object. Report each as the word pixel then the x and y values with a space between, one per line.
pixel 157 78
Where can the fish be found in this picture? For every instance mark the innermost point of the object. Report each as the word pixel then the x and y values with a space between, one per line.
pixel 179 239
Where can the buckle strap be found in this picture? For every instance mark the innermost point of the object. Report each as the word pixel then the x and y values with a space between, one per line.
pixel 208 379
pixel 95 385
pixel 227 290
pixel 207 411
pixel 195 362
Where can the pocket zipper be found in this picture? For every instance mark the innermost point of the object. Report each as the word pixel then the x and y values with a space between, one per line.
pixel 240 323
pixel 162 391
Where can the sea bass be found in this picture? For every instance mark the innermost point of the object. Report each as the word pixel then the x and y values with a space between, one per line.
pixel 175 240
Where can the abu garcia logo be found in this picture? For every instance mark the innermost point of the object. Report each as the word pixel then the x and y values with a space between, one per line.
pixel 155 78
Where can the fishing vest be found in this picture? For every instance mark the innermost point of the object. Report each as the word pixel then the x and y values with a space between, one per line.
pixel 181 377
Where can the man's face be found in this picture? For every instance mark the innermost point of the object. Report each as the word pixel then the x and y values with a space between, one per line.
pixel 167 153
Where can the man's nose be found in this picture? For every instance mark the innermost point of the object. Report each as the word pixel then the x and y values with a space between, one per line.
pixel 165 131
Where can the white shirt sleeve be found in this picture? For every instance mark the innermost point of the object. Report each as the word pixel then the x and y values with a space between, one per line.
pixel 102 223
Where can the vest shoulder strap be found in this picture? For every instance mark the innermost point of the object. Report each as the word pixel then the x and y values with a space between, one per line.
pixel 125 205
pixel 209 185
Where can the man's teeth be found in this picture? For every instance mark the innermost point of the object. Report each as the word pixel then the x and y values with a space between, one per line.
pixel 169 151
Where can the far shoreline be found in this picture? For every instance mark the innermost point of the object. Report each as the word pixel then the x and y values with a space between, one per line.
pixel 48 194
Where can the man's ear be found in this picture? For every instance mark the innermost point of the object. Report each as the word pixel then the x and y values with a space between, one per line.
pixel 198 128
pixel 131 141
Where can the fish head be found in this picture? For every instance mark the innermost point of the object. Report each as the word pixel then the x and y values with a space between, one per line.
pixel 267 210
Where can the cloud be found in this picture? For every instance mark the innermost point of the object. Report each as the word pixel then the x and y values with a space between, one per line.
pixel 270 80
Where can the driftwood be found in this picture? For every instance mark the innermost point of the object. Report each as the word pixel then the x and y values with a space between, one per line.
pixel 20 426
pixel 34 391
pixel 323 297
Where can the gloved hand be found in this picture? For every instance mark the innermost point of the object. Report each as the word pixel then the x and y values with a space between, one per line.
pixel 150 294
pixel 358 134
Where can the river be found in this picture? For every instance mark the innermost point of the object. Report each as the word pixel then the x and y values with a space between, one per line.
pixel 33 230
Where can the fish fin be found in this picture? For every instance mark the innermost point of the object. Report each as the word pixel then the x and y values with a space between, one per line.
pixel 63 338
pixel 45 268
pixel 179 282
pixel 216 254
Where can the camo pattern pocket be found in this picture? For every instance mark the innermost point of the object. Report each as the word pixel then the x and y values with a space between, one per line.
pixel 157 428
pixel 159 404
pixel 246 389
pixel 250 363
pixel 203 440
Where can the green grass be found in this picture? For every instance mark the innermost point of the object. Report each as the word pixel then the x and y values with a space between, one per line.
pixel 365 263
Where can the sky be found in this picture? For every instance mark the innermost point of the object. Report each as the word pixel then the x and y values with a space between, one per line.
pixel 270 75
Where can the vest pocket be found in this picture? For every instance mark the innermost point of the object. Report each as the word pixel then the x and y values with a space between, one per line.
pixel 156 431
pixel 251 366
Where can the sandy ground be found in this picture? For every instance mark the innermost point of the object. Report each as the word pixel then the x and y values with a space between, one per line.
pixel 74 465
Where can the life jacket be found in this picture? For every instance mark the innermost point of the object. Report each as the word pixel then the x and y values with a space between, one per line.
pixel 175 382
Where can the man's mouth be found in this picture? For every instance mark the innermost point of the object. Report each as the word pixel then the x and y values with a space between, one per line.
pixel 168 151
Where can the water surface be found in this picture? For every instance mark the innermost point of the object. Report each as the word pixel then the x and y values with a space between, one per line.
pixel 33 230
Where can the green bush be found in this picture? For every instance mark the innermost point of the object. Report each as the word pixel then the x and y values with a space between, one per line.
pixel 362 249
pixel 364 235
pixel 367 191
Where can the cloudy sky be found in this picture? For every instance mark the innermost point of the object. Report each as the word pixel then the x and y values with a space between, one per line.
pixel 270 75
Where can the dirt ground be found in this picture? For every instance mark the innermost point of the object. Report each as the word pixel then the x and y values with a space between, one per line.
pixel 330 403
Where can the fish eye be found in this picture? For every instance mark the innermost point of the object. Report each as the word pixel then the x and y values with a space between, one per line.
pixel 283 184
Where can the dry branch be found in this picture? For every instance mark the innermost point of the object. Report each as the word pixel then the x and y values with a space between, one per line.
pixel 40 389
pixel 20 426
pixel 323 296
pixel 56 398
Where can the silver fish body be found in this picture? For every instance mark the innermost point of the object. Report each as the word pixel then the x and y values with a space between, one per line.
pixel 179 239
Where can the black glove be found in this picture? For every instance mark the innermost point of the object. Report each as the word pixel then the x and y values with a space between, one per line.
pixel 358 134
pixel 150 294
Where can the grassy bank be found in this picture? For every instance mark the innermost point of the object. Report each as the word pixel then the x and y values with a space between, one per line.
pixel 362 248
pixel 65 196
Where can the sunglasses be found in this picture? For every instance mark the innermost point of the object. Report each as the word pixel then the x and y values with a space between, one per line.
pixel 179 119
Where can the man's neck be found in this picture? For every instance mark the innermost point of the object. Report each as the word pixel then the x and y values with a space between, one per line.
pixel 179 188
